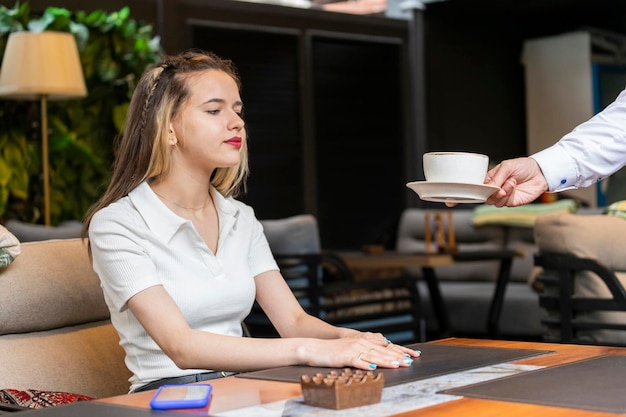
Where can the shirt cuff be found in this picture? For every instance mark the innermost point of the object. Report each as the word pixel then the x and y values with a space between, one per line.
pixel 558 168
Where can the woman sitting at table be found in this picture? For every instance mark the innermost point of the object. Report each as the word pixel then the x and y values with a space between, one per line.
pixel 181 261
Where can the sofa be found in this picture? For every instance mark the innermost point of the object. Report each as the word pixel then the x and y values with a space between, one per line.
pixel 55 332
pixel 468 287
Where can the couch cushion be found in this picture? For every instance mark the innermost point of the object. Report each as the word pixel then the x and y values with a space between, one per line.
pixel 84 359
pixel 597 237
pixel 590 236
pixel 50 285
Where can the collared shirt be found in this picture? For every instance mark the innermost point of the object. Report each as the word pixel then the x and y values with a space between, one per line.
pixel 592 151
pixel 138 242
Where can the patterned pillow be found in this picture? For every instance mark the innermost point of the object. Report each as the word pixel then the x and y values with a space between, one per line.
pixel 9 247
pixel 32 398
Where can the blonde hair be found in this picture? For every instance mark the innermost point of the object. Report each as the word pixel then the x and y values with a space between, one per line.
pixel 143 151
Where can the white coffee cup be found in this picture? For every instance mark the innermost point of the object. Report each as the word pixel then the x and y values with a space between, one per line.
pixel 455 167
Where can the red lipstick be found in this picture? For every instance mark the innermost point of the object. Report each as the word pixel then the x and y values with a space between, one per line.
pixel 235 141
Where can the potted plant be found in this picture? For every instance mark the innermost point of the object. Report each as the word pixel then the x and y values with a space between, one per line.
pixel 114 50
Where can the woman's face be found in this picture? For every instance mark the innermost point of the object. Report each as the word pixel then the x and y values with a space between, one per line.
pixel 208 131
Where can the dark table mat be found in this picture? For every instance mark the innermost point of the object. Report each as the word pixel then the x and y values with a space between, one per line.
pixel 435 360
pixel 597 384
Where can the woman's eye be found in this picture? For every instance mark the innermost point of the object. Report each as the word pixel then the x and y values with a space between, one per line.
pixel 213 112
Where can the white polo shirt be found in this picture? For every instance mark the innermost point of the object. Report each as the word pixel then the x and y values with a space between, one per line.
pixel 138 242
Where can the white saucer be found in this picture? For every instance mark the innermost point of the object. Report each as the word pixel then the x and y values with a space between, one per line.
pixel 452 192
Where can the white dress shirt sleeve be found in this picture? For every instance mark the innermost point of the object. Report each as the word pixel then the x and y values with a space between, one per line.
pixel 592 151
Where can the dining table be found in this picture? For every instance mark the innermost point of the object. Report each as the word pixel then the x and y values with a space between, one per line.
pixel 234 396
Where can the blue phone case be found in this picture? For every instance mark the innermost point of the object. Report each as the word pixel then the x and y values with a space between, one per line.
pixel 181 396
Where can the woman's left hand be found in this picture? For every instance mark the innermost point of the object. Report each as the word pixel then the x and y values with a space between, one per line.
pixel 383 341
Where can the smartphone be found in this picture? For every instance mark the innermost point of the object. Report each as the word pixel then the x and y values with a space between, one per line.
pixel 181 396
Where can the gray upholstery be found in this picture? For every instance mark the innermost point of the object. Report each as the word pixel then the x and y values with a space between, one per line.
pixel 29 232
pixel 295 235
pixel 55 332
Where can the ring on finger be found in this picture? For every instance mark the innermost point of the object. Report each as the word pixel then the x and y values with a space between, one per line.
pixel 360 356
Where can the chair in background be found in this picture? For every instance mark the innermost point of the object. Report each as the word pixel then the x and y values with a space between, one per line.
pixel 324 286
pixel 295 243
pixel 583 278
pixel 573 319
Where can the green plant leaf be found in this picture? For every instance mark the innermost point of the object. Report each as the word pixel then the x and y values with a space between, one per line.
pixel 81 32
pixel 40 25
pixel 119 115
pixel 5 173
pixel 13 20
pixel 114 50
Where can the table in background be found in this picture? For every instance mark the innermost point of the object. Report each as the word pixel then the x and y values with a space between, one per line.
pixel 234 393
pixel 373 262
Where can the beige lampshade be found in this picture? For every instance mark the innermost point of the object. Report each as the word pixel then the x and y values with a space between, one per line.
pixel 44 63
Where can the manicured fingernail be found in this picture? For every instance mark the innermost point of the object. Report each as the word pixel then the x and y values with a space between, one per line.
pixel 407 360
pixel 395 363
pixel 387 341
pixel 419 352
pixel 372 366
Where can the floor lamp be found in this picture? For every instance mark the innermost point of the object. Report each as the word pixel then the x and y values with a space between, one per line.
pixel 42 66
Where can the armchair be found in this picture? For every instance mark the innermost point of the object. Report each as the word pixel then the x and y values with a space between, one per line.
pixel 583 277
pixel 325 287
